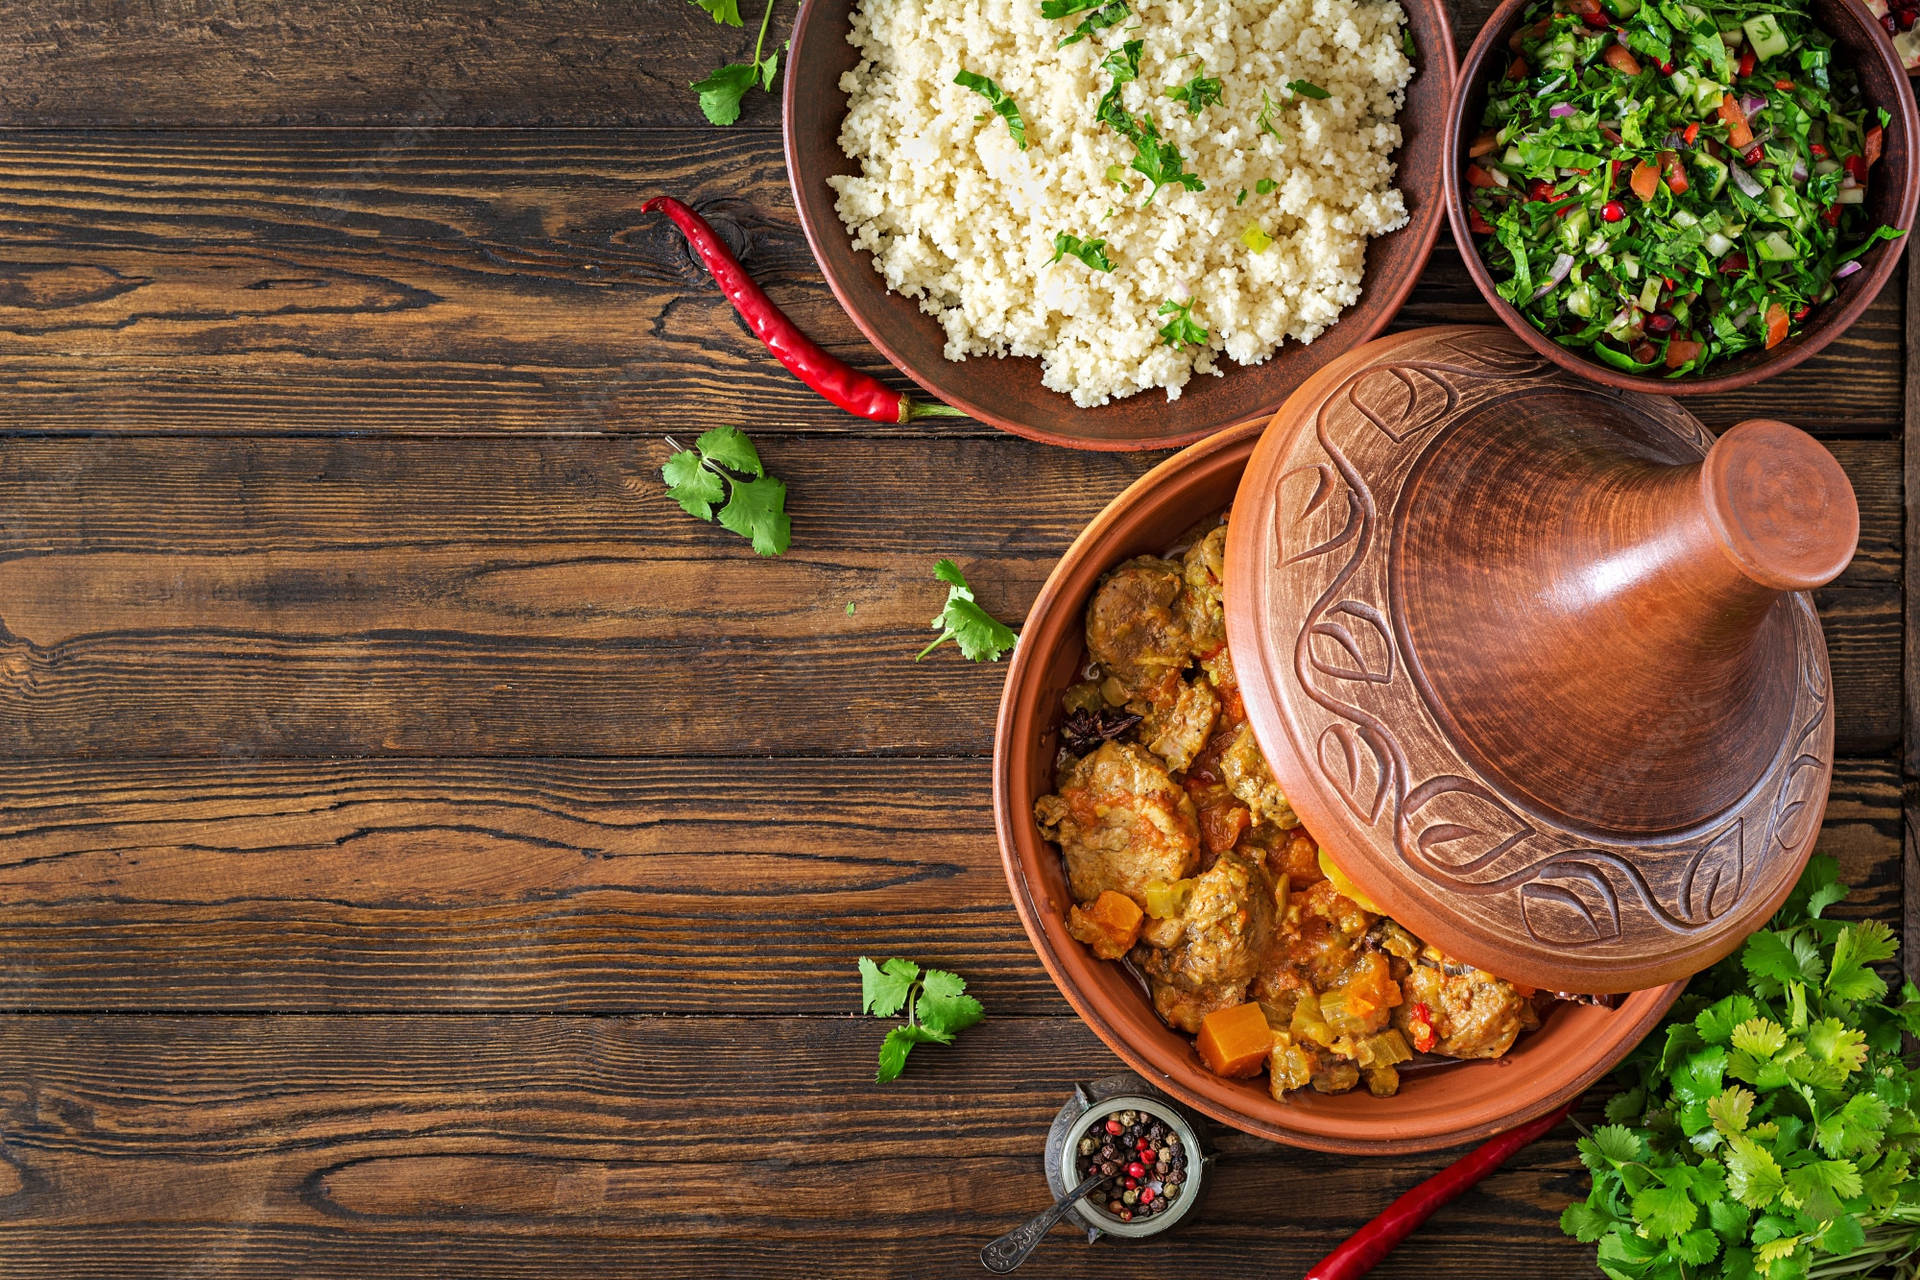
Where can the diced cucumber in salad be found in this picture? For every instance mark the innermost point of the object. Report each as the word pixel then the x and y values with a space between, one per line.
pixel 1666 183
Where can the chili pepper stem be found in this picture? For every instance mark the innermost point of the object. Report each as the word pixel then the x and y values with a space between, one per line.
pixel 930 409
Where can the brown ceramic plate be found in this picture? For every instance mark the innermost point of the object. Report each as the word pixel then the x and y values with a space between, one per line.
pixel 1435 1108
pixel 1892 193
pixel 1007 392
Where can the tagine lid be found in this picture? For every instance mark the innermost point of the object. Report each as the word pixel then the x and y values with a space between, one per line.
pixel 1535 659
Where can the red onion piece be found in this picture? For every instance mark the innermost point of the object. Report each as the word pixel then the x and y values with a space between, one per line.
pixel 1560 109
pixel 1556 274
pixel 1847 269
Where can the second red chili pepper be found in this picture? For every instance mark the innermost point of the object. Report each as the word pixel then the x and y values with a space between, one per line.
pixel 1362 1251
pixel 807 360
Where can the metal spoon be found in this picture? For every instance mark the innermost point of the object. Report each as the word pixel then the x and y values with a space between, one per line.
pixel 1013 1248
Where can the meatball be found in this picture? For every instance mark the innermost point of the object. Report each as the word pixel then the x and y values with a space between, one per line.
pixel 1121 822
pixel 1226 929
pixel 1137 631
pixel 1245 772
pixel 1472 1014
pixel 1177 730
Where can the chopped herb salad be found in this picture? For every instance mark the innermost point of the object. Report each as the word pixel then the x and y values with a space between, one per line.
pixel 1667 183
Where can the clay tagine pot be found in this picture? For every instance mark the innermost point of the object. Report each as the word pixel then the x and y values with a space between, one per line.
pixel 1534 661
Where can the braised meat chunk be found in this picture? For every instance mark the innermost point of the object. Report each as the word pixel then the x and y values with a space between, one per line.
pixel 1121 821
pixel 1226 927
pixel 1137 631
pixel 1460 1012
pixel 1178 729
pixel 1245 772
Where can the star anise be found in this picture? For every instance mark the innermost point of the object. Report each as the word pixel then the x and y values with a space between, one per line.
pixel 1082 731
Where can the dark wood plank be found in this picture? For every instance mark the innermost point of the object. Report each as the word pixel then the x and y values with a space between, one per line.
pixel 550 884
pixel 544 597
pixel 304 281
pixel 469 1147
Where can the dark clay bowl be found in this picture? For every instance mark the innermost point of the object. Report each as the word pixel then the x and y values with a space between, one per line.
pixel 1437 1107
pixel 1891 196
pixel 1006 392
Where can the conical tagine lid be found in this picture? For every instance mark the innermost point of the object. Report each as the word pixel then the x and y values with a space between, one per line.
pixel 1535 659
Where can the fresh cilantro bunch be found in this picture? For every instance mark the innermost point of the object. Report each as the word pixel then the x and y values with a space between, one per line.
pixel 937 1008
pixel 721 91
pixel 1769 1131
pixel 981 636
pixel 724 467
pixel 1183 330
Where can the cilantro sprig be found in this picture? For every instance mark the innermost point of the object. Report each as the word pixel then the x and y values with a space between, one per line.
pixel 981 637
pixel 1768 1129
pixel 1100 14
pixel 721 91
pixel 723 470
pixel 1091 252
pixel 1003 106
pixel 937 1006
pixel 1183 330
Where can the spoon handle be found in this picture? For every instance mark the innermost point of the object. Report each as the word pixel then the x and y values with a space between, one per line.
pixel 1011 1249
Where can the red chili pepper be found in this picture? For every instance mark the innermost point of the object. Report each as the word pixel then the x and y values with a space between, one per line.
pixel 1364 1249
pixel 807 360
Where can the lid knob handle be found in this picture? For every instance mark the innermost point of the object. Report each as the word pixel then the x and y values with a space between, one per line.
pixel 1781 507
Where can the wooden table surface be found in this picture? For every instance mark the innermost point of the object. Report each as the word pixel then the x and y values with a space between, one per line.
pixel 424 851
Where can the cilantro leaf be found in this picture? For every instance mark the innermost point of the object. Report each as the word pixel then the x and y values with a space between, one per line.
pixel 980 636
pixel 1307 89
pixel 884 988
pixel 699 479
pixel 943 1008
pixel 1819 1187
pixel 1857 946
pixel 1199 93
pixel 1753 1175
pixel 721 92
pixel 757 511
pixel 1696 1247
pixel 1760 1037
pixel 1123 63
pixel 1160 159
pixel 894 1050
pixel 725 12
pixel 1612 1144
pixel 691 485
pixel 1665 1211
pixel 1103 16
pixel 1769 955
pixel 1717 1022
pixel 1264 122
pixel 1182 331
pixel 1091 252
pixel 1583 1222
pixel 1003 106
pixel 1731 1109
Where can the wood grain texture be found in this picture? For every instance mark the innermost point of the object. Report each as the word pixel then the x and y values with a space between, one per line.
pixel 248 598
pixel 617 885
pixel 393 63
pixel 469 281
pixel 496 1147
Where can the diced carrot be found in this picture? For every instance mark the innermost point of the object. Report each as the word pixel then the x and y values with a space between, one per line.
pixel 1876 138
pixel 1681 350
pixel 1235 1042
pixel 1110 924
pixel 1676 176
pixel 1776 324
pixel 1621 59
pixel 1739 134
pixel 1483 145
pixel 1646 179
pixel 1478 177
